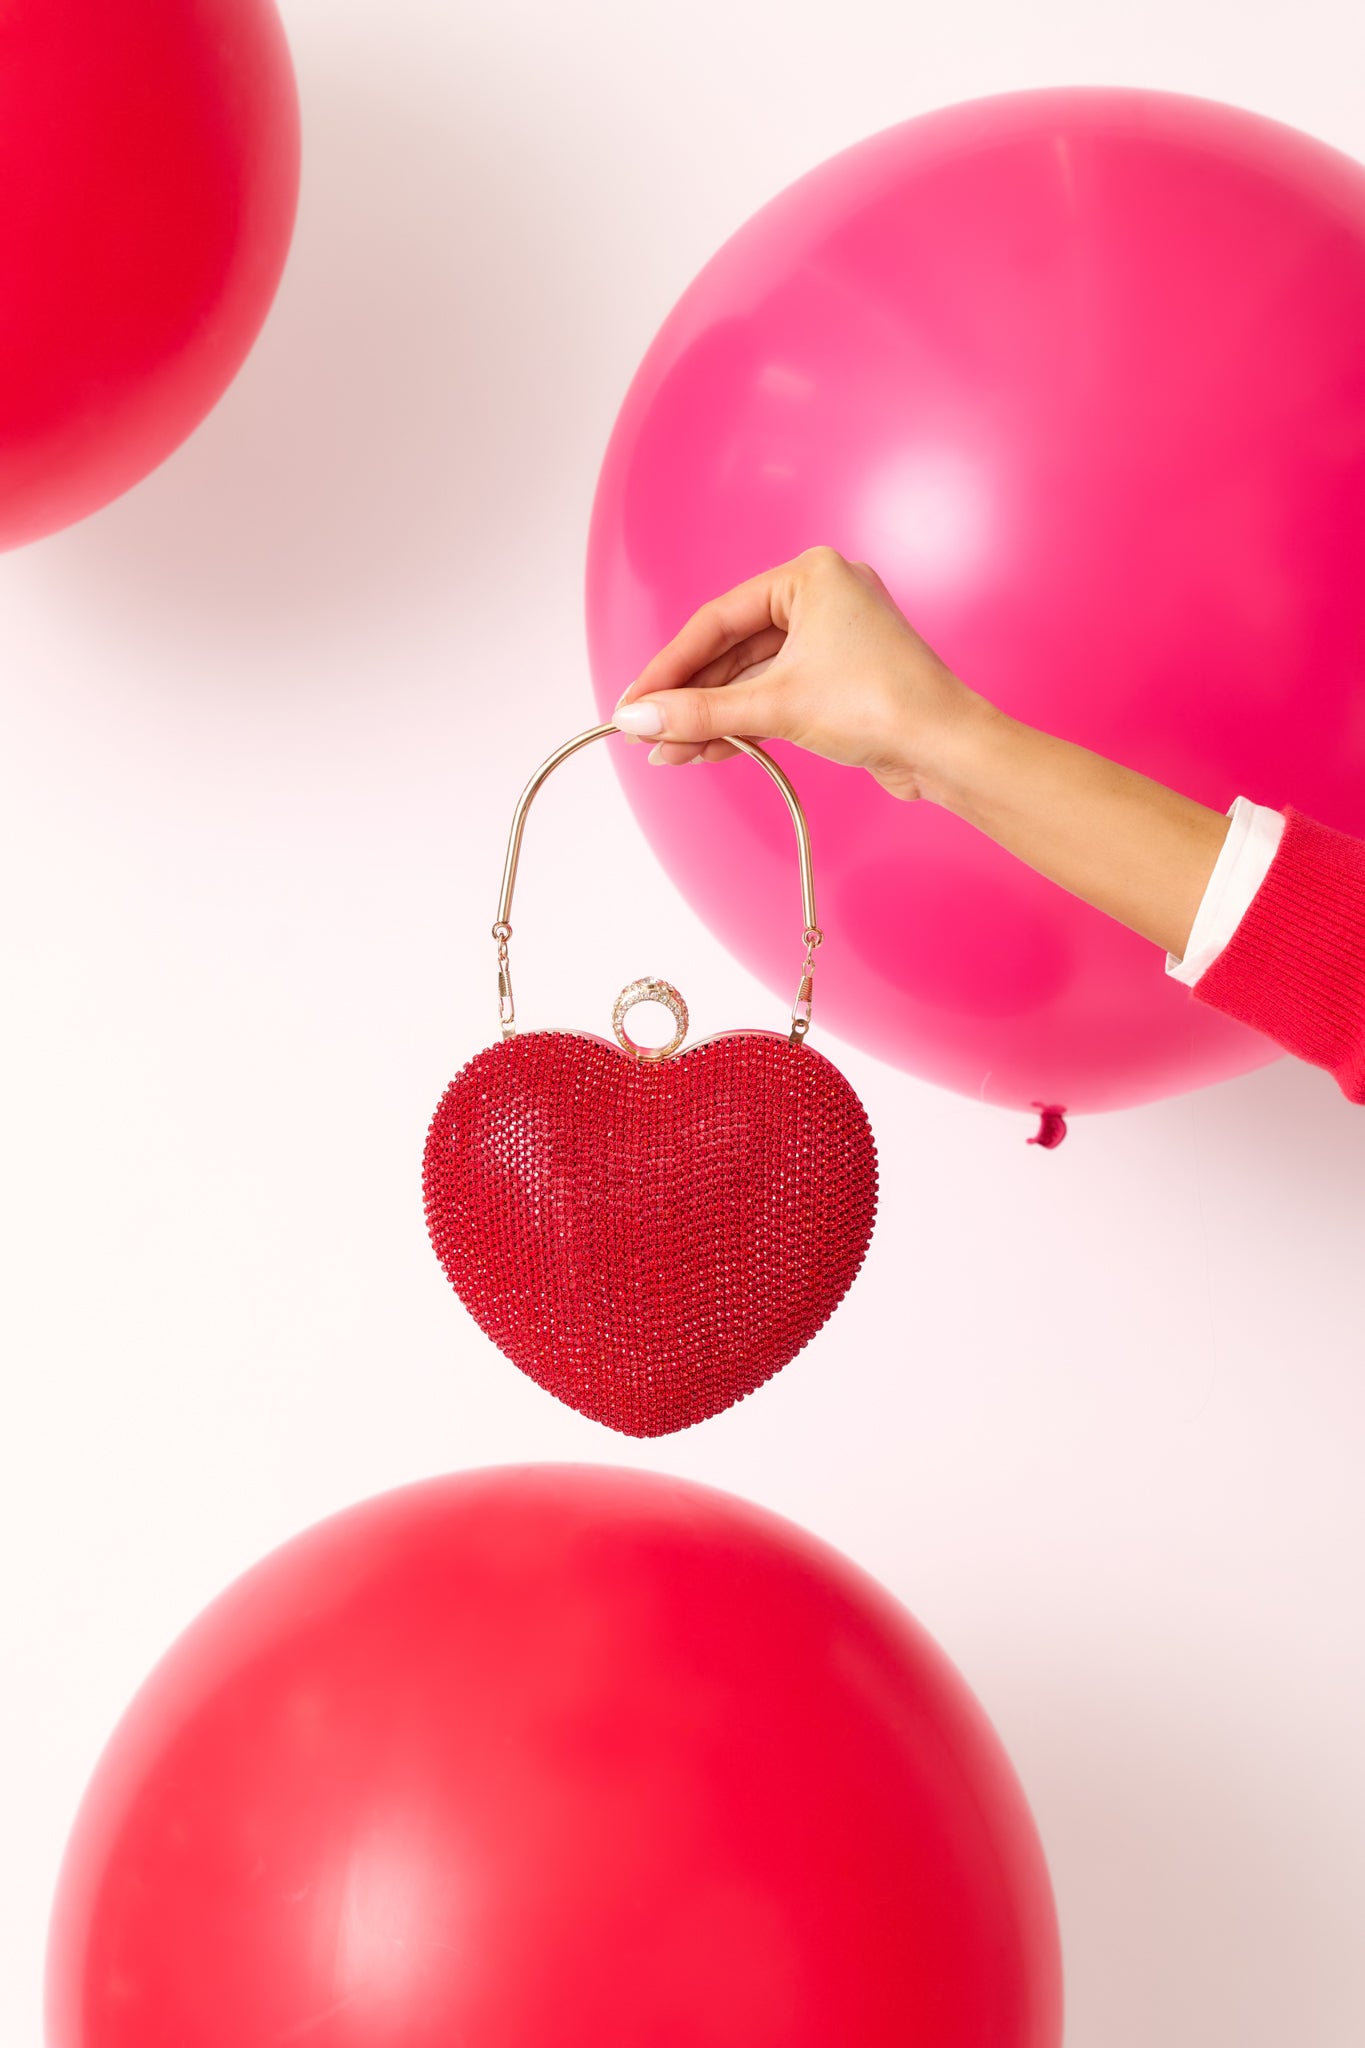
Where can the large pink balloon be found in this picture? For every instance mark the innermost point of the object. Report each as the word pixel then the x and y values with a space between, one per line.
pixel 554 1757
pixel 1082 373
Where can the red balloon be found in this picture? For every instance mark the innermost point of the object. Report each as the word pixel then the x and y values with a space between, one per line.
pixel 1082 373
pixel 554 1757
pixel 150 162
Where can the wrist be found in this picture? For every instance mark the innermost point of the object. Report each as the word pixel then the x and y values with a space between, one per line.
pixel 964 761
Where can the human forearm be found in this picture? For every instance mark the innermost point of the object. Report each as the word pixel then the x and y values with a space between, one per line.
pixel 1136 850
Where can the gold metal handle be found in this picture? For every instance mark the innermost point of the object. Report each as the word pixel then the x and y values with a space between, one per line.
pixel 811 935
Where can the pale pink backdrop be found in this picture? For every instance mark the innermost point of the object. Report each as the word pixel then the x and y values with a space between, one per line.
pixel 1098 1416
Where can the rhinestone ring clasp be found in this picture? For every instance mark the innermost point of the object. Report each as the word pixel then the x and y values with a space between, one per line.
pixel 650 990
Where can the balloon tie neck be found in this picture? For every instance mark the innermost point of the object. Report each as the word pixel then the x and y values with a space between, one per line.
pixel 1051 1126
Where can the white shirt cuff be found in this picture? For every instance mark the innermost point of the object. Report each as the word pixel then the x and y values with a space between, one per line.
pixel 1242 865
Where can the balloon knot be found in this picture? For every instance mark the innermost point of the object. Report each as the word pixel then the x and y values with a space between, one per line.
pixel 1051 1126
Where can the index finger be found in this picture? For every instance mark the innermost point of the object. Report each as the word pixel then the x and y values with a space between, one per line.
pixel 715 628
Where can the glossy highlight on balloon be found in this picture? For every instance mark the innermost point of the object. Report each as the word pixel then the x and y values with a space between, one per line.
pixel 1082 374
pixel 554 1757
pixel 151 173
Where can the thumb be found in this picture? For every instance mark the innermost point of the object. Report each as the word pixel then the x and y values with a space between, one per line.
pixel 747 707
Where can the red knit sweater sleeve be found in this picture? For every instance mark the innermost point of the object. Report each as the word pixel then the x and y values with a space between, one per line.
pixel 1295 967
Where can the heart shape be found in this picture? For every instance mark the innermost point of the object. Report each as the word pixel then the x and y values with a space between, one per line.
pixel 650 1240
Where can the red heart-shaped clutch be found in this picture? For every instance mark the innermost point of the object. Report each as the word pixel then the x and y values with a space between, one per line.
pixel 650 1234
pixel 650 1240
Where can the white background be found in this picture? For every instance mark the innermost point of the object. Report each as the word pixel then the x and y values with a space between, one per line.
pixel 1097 1416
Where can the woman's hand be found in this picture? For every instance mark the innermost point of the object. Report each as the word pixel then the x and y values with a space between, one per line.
pixel 816 652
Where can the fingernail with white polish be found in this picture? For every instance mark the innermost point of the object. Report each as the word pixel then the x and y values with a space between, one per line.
pixel 643 718
pixel 656 757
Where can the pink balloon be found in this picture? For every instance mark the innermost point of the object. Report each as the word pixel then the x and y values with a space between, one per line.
pixel 1082 374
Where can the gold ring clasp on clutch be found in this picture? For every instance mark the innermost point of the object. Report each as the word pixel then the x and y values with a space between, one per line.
pixel 650 990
